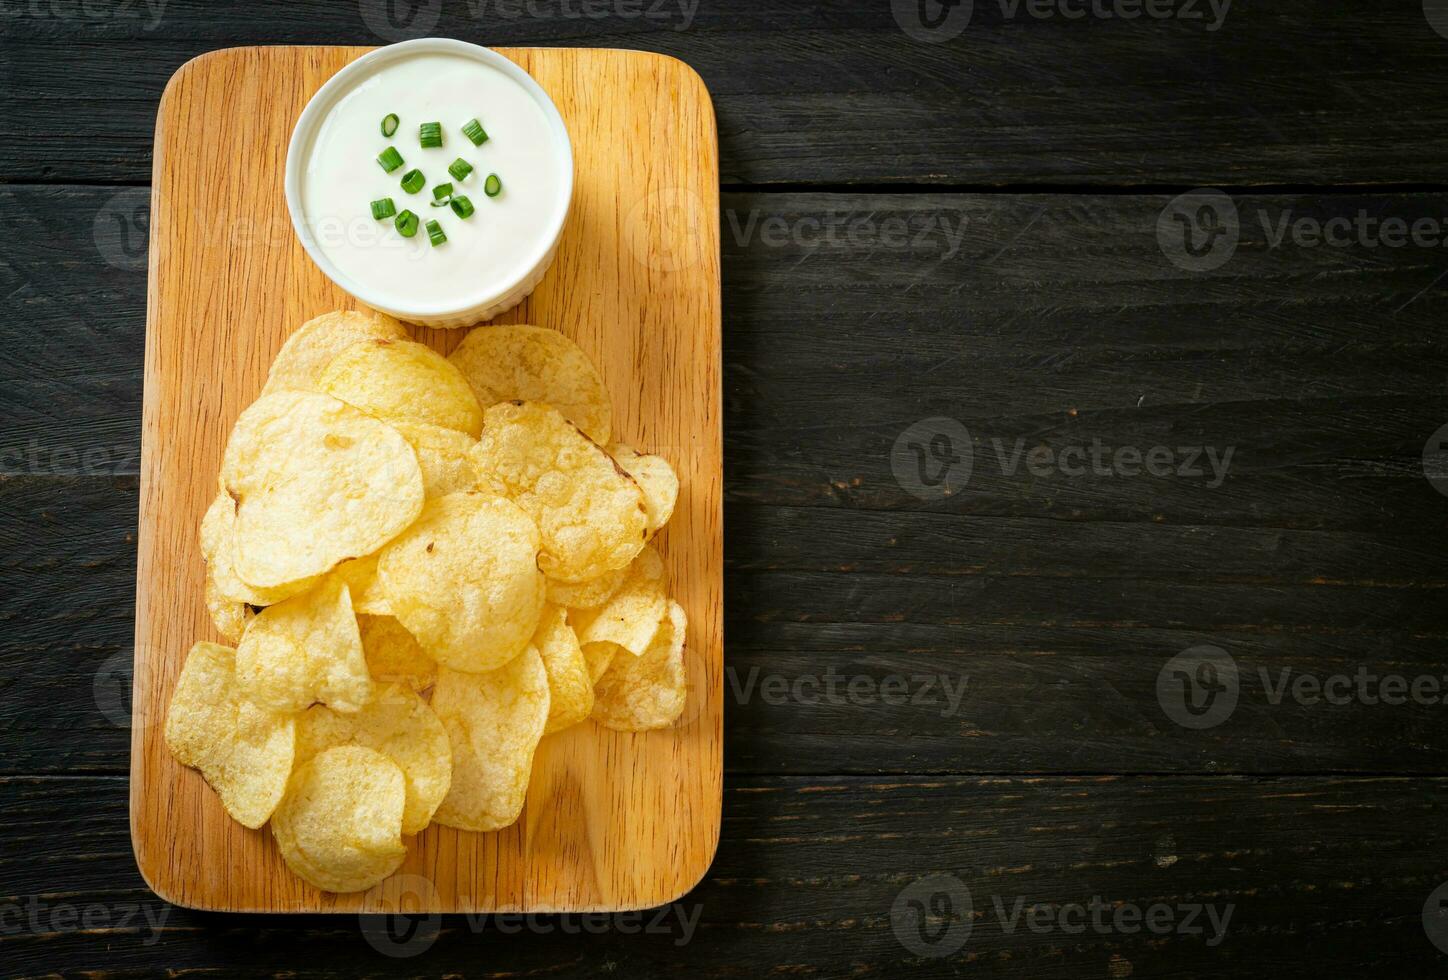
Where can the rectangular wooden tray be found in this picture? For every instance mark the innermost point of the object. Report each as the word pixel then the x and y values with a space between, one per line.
pixel 613 821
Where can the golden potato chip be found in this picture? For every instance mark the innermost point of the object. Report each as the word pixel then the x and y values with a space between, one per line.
pixel 227 615
pixel 300 361
pixel 589 511
pixel 598 656
pixel 632 615
pixel 360 574
pixel 587 594
pixel 244 752
pixel 403 381
pixel 443 456
pixel 494 722
pixel 570 689
pixel 217 528
pixel 464 580
pixel 401 726
pixel 657 480
pixel 340 824
pixel 305 650
pixel 520 363
pixel 316 483
pixel 637 694
pixel 393 654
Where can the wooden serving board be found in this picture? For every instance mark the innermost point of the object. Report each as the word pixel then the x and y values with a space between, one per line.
pixel 613 821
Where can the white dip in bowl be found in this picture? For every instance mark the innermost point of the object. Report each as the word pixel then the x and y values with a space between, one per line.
pixel 492 258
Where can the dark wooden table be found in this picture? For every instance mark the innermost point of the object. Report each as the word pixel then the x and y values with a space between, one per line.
pixel 943 708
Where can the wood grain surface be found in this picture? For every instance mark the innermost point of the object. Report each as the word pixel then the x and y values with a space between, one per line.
pixel 1056 599
pixel 613 820
pixel 836 92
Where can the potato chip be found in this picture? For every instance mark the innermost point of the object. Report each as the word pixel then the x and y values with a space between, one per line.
pixel 657 480
pixel 637 694
pixel 494 722
pixel 401 726
pixel 305 650
pixel 393 654
pixel 570 689
pixel 360 574
pixel 598 657
pixel 443 456
pixel 340 824
pixel 217 528
pixel 464 580
pixel 227 615
pixel 590 512
pixel 520 363
pixel 316 483
pixel 632 615
pixel 587 594
pixel 403 381
pixel 244 752
pixel 300 361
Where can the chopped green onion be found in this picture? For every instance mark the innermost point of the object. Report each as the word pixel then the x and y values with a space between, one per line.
pixel 492 186
pixel 434 233
pixel 407 224
pixel 413 181
pixel 460 169
pixel 474 131
pixel 441 192
pixel 383 208
pixel 430 134
pixel 389 124
pixel 461 206
pixel 390 159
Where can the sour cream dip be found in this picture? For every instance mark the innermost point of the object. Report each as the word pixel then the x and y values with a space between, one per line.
pixel 482 256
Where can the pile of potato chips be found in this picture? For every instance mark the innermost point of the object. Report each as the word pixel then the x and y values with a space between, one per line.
pixel 427 564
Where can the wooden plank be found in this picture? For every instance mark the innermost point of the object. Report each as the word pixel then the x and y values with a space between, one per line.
pixel 1032 645
pixel 1313 870
pixel 1322 366
pixel 837 91
pixel 614 820
pixel 1055 320
pixel 73 268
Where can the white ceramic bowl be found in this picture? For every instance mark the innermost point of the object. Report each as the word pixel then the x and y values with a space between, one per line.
pixel 497 296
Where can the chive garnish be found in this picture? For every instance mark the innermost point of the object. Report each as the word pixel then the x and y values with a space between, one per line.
pixel 389 124
pixel 441 192
pixel 383 208
pixel 460 169
pixel 492 186
pixel 474 131
pixel 407 224
pixel 434 233
pixel 461 206
pixel 430 134
pixel 413 181
pixel 390 159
